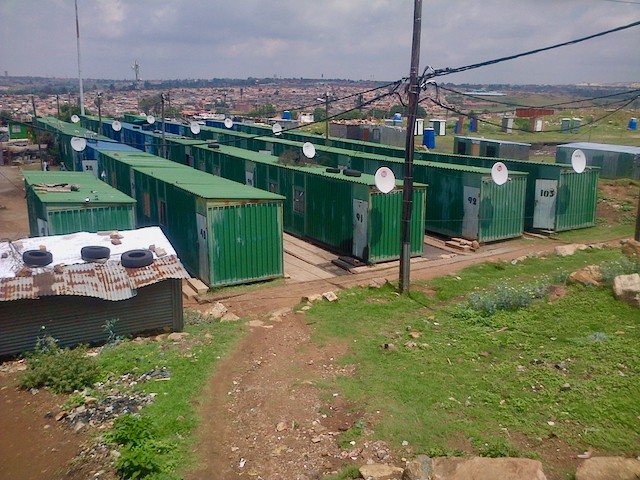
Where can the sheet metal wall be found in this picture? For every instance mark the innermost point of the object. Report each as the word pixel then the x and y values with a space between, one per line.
pixel 75 320
pixel 612 164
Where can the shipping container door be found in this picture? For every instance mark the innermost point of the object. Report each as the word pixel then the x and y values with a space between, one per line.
pixel 203 250
pixel 360 228
pixel 43 228
pixel 132 181
pixel 471 210
pixel 544 213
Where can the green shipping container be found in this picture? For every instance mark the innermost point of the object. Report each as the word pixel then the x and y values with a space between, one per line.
pixel 91 206
pixel 224 232
pixel 558 198
pixel 464 201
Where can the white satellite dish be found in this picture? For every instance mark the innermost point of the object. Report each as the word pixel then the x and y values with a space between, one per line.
pixel 78 143
pixel 228 122
pixel 276 129
pixel 578 161
pixel 151 119
pixel 75 118
pixel 116 125
pixel 308 149
pixel 385 179
pixel 194 127
pixel 499 173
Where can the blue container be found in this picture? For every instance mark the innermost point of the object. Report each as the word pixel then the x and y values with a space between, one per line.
pixel 286 115
pixel 473 124
pixel 429 138
pixel 633 124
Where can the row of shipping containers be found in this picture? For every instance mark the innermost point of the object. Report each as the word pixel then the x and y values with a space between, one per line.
pixel 557 198
pixel 345 213
pixel 224 233
pixel 462 201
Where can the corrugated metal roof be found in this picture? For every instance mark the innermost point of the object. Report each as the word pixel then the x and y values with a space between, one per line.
pixel 605 147
pixel 110 281
pixel 89 187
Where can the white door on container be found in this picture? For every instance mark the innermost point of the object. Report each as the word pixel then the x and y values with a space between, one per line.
pixel 470 212
pixel 360 228
pixel 43 228
pixel 546 196
pixel 203 251
pixel 248 178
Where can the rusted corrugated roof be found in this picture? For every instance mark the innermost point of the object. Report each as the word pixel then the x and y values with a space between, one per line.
pixel 110 281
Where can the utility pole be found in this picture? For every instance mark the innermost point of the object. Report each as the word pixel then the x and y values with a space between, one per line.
pixel 79 71
pixel 326 115
pixel 99 104
pixel 58 105
pixel 413 90
pixel 35 129
pixel 637 234
pixel 164 144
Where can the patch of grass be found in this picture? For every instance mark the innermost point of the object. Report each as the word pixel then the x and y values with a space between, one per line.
pixel 348 472
pixel 353 434
pixel 172 414
pixel 601 232
pixel 62 370
pixel 566 370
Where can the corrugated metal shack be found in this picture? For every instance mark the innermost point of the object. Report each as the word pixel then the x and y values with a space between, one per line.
pixel 487 147
pixel 68 202
pixel 614 161
pixel 73 301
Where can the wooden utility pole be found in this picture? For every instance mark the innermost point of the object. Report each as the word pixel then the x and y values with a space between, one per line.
pixel 407 193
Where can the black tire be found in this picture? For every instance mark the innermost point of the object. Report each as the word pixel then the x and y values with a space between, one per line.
pixel 93 253
pixel 349 172
pixel 333 170
pixel 37 258
pixel 137 258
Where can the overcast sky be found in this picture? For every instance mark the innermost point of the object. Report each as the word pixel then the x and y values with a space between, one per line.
pixel 355 39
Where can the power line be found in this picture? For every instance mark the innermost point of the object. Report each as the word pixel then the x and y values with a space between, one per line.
pixel 447 71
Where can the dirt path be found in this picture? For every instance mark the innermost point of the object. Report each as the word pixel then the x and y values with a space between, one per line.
pixel 266 414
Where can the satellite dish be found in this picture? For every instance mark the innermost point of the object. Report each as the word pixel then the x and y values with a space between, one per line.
pixel 75 118
pixel 499 173
pixel 308 149
pixel 194 127
pixel 78 143
pixel 578 161
pixel 116 125
pixel 151 119
pixel 385 179
pixel 228 122
pixel 276 129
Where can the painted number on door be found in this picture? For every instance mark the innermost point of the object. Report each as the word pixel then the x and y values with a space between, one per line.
pixel 472 200
pixel 547 193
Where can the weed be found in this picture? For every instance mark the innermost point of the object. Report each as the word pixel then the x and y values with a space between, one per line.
pixel 351 435
pixel 622 265
pixel 73 401
pixel 62 370
pixel 113 338
pixel 349 472
pixel 505 297
pixel 195 317
pixel 131 430
pixel 495 448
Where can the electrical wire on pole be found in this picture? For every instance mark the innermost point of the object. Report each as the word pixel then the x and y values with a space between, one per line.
pixel 413 90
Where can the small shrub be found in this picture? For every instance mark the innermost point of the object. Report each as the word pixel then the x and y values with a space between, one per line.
pixel 621 266
pixel 62 370
pixel 505 297
pixel 138 461
pixel 497 447
pixel 131 430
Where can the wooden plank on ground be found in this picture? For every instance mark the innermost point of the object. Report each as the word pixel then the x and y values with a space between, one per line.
pixel 301 271
pixel 306 250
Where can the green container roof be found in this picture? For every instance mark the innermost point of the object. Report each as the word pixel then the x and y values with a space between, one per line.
pixel 206 185
pixel 89 187
pixel 71 129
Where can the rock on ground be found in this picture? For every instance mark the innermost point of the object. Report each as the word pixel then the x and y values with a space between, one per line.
pixel 476 468
pixel 566 250
pixel 626 288
pixel 609 468
pixel 380 471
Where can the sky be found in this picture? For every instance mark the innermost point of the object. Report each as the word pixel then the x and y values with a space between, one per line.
pixel 350 39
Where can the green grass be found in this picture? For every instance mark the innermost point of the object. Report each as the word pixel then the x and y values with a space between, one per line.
pixel 484 381
pixel 172 414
